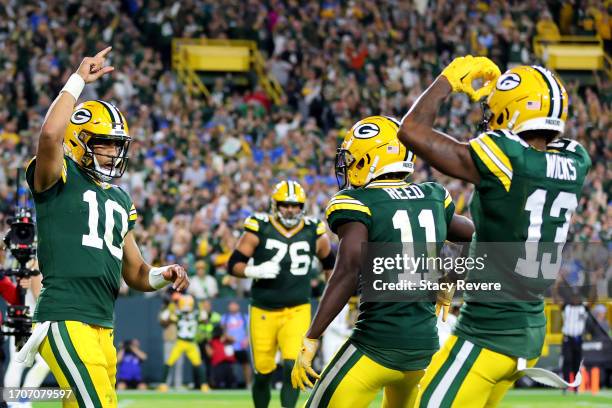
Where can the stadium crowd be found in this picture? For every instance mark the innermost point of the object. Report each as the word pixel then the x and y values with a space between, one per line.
pixel 199 167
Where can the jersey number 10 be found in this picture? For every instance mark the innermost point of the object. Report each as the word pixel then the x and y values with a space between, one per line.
pixel 92 239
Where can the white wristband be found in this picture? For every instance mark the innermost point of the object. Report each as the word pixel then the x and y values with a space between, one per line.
pixel 156 280
pixel 74 86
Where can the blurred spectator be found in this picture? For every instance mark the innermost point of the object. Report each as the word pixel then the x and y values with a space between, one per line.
pixel 202 285
pixel 209 319
pixel 221 353
pixel 601 318
pixel 547 29
pixel 235 323
pixel 129 365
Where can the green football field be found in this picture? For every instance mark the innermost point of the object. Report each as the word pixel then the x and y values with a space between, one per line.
pixel 241 399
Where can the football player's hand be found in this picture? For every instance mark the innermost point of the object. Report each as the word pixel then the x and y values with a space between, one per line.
pixel 92 68
pixel 303 365
pixel 266 270
pixel 176 274
pixel 463 70
pixel 444 298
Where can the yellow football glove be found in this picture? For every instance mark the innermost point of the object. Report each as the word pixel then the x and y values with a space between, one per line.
pixel 444 298
pixel 463 70
pixel 303 365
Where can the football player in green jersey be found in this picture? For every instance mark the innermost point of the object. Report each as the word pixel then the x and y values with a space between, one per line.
pixel 281 246
pixel 187 318
pixel 392 342
pixel 85 239
pixel 527 182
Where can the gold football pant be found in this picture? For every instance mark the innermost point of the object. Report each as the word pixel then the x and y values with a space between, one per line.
pixel 82 357
pixel 270 330
pixel 191 350
pixel 352 380
pixel 462 374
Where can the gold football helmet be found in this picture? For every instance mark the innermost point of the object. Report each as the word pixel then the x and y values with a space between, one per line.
pixel 288 192
pixel 97 122
pixel 527 98
pixel 370 149
pixel 186 303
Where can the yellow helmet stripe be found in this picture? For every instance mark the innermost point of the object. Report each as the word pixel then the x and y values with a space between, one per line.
pixel 291 188
pixel 554 92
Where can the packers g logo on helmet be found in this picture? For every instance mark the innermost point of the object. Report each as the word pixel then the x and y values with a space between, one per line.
pixel 366 131
pixel 507 82
pixel 288 192
pixel 527 98
pixel 370 149
pixel 97 122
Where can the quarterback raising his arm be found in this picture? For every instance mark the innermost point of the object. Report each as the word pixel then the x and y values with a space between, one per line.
pixel 85 239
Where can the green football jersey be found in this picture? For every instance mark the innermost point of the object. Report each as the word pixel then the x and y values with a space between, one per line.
pixel 81 224
pixel 398 335
pixel 187 325
pixel 525 196
pixel 293 250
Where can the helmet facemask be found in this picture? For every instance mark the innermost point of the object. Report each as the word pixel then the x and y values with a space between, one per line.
pixel 288 221
pixel 344 159
pixel 118 161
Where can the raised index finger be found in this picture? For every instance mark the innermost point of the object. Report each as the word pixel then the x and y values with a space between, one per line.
pixel 103 53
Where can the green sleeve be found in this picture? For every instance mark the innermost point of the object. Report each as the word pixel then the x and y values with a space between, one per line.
pixel 343 208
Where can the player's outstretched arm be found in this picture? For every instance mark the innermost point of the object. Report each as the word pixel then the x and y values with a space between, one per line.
pixel 141 276
pixel 50 153
pixel 441 151
pixel 341 286
pixel 326 255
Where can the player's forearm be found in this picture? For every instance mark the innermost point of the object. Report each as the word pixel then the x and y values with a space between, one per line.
pixel 138 278
pixel 341 286
pixel 237 270
pixel 57 119
pixel 441 151
pixel 422 114
pixel 50 152
pixel 461 229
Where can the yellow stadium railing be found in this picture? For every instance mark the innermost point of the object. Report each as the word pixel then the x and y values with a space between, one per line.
pixel 193 55
pixel 571 52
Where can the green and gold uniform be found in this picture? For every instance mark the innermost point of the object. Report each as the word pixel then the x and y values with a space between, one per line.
pixel 280 307
pixel 392 342
pixel 81 226
pixel 186 330
pixel 525 198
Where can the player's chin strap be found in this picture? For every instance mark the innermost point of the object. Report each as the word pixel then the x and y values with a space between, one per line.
pixel 28 352
pixel 547 377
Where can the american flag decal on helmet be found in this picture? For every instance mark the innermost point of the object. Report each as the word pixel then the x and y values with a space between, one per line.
pixel 534 105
